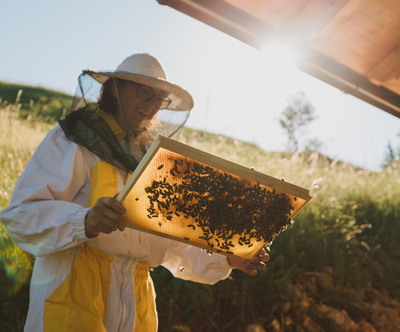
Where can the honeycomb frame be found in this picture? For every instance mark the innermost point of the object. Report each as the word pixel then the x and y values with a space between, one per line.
pixel 158 201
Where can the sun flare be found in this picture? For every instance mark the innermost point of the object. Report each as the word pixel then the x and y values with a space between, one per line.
pixel 278 59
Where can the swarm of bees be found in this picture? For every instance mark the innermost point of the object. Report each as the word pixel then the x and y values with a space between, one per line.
pixel 220 204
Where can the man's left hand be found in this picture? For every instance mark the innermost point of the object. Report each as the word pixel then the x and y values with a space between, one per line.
pixel 250 266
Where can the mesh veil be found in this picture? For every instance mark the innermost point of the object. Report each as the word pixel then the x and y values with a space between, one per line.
pixel 85 126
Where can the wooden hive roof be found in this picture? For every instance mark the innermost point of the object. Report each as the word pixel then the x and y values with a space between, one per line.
pixel 353 45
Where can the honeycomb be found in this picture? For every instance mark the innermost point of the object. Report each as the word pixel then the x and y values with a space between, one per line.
pixel 189 201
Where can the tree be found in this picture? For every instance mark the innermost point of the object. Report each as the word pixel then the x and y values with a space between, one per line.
pixel 392 154
pixel 296 116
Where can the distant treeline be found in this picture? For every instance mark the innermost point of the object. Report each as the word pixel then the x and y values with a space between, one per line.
pixel 36 101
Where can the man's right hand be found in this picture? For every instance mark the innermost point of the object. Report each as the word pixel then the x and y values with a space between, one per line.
pixel 104 217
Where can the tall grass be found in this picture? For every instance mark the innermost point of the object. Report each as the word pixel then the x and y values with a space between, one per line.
pixel 351 225
pixel 49 105
pixel 18 140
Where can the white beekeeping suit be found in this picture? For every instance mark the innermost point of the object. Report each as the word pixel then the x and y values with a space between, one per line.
pixel 101 283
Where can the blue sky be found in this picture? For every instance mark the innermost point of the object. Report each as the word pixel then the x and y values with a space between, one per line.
pixel 237 90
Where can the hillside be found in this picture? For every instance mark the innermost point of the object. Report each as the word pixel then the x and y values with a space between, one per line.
pixel 46 103
pixel 336 269
pixel 250 155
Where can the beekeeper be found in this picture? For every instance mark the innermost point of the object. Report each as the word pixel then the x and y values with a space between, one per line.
pixel 92 274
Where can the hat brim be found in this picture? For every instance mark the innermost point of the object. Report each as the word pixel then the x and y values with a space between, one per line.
pixel 181 100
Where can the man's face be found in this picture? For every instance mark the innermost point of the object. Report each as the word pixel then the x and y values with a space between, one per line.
pixel 137 113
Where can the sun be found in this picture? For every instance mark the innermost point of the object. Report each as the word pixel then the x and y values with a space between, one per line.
pixel 278 59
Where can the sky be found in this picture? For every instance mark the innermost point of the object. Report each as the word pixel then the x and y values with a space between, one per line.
pixel 238 90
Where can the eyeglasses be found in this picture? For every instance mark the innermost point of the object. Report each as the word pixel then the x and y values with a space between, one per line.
pixel 146 94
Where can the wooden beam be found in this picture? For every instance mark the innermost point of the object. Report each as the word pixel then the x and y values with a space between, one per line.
pixel 359 44
pixel 224 17
pixel 264 11
pixel 384 15
pixel 374 31
pixel 388 68
pixel 314 17
pixel 393 85
pixel 393 4
pixel 292 7
pixel 344 55
pixel 239 24
pixel 341 17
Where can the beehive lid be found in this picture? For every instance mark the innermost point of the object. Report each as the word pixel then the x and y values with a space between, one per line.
pixel 185 194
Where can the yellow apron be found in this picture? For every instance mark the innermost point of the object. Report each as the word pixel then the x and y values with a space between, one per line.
pixel 80 302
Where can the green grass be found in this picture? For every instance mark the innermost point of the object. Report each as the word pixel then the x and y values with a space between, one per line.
pixel 18 140
pixel 351 225
pixel 47 104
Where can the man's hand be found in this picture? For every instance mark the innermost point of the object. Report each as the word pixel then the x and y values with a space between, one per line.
pixel 257 262
pixel 104 217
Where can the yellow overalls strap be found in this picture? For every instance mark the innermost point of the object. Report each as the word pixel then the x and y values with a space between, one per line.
pixel 103 183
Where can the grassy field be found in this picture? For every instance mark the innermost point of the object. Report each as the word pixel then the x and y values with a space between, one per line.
pixel 49 105
pixel 349 229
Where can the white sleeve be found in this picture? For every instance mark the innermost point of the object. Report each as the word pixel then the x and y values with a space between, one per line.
pixel 41 218
pixel 191 263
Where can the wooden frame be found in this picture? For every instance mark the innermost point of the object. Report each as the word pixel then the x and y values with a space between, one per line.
pixel 135 198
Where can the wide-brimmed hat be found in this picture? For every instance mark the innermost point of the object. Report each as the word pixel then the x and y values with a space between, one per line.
pixel 147 70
